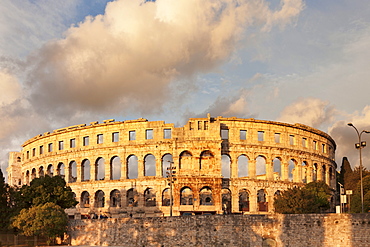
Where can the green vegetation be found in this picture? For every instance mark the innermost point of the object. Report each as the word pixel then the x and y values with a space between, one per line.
pixel 5 204
pixel 313 198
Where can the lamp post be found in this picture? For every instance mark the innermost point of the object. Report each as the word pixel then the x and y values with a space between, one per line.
pixel 171 177
pixel 360 145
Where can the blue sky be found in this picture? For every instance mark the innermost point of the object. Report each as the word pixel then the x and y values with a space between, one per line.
pixel 77 61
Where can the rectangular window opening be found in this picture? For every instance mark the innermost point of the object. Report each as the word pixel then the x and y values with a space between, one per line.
pixel 291 139
pixel 72 143
pixel 205 125
pixel 148 134
pixel 61 145
pixel 277 137
pixel 85 141
pixel 50 147
pixel 115 137
pixel 261 136
pixel 167 133
pixel 132 135
pixel 99 139
pixel 41 149
pixel 224 134
pixel 243 135
pixel 304 142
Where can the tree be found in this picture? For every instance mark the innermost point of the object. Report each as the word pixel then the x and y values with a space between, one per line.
pixel 6 209
pixel 47 220
pixel 313 198
pixel 356 206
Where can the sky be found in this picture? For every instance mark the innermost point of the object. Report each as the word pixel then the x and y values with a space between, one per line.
pixel 76 61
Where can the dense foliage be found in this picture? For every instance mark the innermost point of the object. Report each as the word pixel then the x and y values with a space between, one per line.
pixel 5 204
pixel 312 198
pixel 356 206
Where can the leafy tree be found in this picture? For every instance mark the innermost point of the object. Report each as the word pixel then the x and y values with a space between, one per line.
pixel 48 220
pixel 356 206
pixel 5 204
pixel 313 198
pixel 46 189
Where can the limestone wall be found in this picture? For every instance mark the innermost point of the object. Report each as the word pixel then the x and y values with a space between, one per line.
pixel 328 230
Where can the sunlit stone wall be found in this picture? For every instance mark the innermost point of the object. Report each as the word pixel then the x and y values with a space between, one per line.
pixel 221 165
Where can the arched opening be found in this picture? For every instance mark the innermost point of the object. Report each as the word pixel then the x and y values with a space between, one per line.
pixel 99 199
pixel 115 168
pixel 100 169
pixel 85 166
pixel 185 160
pixel 304 171
pixel 243 200
pixel 115 199
pixel 277 168
pixel 314 172
pixel 166 160
pixel 50 170
pixel 323 172
pixel 261 201
pixel 225 166
pixel 243 166
pixel 205 196
pixel 149 165
pixel 261 167
pixel 226 201
pixel 150 198
pixel 41 171
pixel 33 174
pixel 186 196
pixel 131 197
pixel 132 167
pixel 166 197
pixel 206 159
pixel 85 199
pixel 291 169
pixel 72 172
pixel 28 177
pixel 60 170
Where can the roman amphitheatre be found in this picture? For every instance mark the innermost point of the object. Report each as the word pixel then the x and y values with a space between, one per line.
pixel 211 165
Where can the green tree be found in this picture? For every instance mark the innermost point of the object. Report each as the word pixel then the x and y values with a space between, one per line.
pixel 48 220
pixel 356 206
pixel 6 204
pixel 312 198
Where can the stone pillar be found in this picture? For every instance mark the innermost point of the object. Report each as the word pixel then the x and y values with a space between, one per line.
pixel 253 208
pixel 79 171
pixel 66 171
pixel 107 168
pixel 234 166
pixel 93 171
pixel 319 173
pixel 309 174
pixel 123 160
pixel 298 173
pixel 158 164
pixel 269 170
pixel 235 199
pixel 284 171
pixel 252 168
pixel 327 177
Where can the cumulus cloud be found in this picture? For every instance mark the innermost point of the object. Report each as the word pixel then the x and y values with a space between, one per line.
pixel 309 111
pixel 128 57
pixel 346 137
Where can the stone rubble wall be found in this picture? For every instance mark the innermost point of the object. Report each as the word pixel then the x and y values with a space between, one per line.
pixel 329 230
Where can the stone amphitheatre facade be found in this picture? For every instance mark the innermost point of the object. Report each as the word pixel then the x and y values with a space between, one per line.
pixel 220 165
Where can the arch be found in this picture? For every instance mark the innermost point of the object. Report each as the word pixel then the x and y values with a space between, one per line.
pixel 186 196
pixel 100 169
pixel 27 177
pixel 115 199
pixel 85 199
pixel 304 171
pixel 206 160
pixel 33 174
pixel 261 201
pixel 115 168
pixel 131 198
pixel 185 160
pixel 60 170
pixel 276 162
pixel 323 173
pixel 291 169
pixel 243 200
pixel 72 171
pixel 41 171
pixel 150 198
pixel 261 166
pixel 226 201
pixel 205 196
pixel 132 167
pixel 166 197
pixel 277 193
pixel 166 159
pixel 225 166
pixel 149 165
pixel 243 166
pixel 99 199
pixel 85 167
pixel 314 172
pixel 50 170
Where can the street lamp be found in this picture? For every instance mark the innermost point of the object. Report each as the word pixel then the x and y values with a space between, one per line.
pixel 360 145
pixel 171 177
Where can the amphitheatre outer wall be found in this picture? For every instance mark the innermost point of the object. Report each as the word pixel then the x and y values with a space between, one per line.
pixel 220 165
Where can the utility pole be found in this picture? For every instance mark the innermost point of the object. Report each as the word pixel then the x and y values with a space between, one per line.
pixel 171 177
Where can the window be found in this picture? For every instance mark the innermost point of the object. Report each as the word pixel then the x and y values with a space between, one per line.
pixel 243 135
pixel 314 145
pixel 199 125
pixel 115 136
pixel 191 126
pixel 41 149
pixel 99 139
pixel 28 154
pixel 261 136
pixel 304 142
pixel 277 137
pixel 167 134
pixel 72 143
pixel 205 125
pixel 61 145
pixel 224 134
pixel 34 152
pixel 50 147
pixel 132 135
pixel 85 141
pixel 148 134
pixel 323 148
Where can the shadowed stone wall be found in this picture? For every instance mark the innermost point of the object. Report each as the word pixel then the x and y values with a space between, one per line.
pixel 230 230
